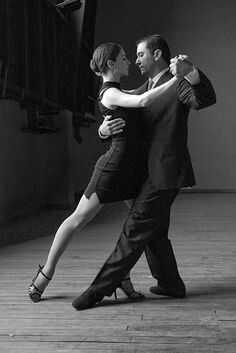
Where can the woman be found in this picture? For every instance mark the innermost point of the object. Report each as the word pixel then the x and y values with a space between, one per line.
pixel 119 173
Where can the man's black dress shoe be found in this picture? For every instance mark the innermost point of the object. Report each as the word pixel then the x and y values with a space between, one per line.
pixel 175 293
pixel 87 300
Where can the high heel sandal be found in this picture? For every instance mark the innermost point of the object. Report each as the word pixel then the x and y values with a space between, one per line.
pixel 132 294
pixel 34 293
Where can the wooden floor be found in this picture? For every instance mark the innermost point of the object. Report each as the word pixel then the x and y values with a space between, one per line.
pixel 203 233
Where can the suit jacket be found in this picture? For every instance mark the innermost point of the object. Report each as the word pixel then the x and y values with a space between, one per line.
pixel 166 124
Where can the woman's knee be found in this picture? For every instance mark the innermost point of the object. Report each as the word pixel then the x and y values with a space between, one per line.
pixel 80 219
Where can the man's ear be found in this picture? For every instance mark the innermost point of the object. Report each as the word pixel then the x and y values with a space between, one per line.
pixel 110 63
pixel 157 54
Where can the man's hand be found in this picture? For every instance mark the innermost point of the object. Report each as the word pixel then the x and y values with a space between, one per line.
pixel 180 66
pixel 111 127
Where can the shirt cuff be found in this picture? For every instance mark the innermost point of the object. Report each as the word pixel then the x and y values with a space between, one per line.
pixel 193 77
pixel 101 135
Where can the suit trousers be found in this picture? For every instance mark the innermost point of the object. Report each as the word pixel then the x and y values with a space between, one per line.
pixel 146 228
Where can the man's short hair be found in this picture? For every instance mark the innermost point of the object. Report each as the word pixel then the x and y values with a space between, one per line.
pixel 154 42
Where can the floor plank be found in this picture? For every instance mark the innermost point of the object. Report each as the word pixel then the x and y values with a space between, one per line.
pixel 202 231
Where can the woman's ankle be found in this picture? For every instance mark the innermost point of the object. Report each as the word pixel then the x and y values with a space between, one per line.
pixel 48 271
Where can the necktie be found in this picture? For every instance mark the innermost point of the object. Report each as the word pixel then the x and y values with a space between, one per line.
pixel 150 84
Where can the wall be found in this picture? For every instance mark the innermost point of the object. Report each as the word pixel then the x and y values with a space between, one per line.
pixel 204 30
pixel 35 169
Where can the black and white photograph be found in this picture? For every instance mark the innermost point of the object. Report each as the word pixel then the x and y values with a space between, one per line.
pixel 117 176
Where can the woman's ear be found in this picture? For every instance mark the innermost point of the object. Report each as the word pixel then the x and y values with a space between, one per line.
pixel 110 64
pixel 157 54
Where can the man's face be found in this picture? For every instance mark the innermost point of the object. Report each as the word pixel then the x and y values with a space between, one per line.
pixel 145 59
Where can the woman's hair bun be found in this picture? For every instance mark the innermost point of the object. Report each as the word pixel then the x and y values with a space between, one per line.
pixel 101 55
pixel 94 66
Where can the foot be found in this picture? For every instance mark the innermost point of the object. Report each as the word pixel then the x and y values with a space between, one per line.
pixel 128 289
pixel 87 300
pixel 177 292
pixel 38 285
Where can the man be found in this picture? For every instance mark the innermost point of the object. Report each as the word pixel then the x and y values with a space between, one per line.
pixel 169 168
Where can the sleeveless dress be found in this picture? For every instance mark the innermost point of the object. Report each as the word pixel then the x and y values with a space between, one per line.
pixel 121 171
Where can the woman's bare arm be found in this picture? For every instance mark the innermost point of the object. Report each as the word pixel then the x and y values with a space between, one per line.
pixel 113 97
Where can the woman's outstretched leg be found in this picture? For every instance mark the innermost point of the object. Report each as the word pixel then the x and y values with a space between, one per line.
pixel 85 212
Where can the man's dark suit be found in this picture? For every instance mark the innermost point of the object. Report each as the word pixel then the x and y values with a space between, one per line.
pixel 169 168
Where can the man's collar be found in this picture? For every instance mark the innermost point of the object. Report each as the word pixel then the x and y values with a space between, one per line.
pixel 158 76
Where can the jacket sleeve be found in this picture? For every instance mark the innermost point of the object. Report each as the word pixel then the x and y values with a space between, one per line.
pixel 197 96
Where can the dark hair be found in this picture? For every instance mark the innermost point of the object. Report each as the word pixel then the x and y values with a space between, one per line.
pixel 154 42
pixel 103 53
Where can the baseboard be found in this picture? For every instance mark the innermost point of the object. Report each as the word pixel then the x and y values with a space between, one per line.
pixel 207 191
pixel 79 194
pixel 61 206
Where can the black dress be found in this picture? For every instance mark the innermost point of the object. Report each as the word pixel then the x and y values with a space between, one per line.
pixel 120 172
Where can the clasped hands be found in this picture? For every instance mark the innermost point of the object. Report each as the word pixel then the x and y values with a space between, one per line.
pixel 180 66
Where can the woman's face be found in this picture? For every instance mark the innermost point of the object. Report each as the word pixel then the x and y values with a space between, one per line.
pixel 121 65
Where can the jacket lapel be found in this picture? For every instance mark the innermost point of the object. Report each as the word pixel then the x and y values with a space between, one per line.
pixel 142 88
pixel 165 77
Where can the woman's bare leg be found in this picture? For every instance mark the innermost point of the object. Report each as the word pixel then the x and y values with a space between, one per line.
pixel 85 211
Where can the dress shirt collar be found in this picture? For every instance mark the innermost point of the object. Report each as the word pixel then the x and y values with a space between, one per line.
pixel 158 76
